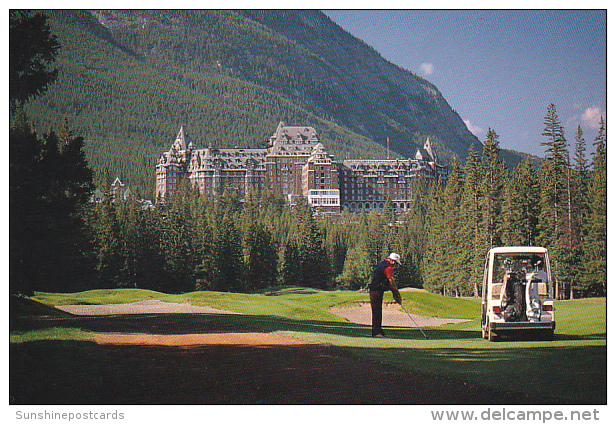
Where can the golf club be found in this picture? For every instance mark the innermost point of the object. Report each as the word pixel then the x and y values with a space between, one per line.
pixel 407 312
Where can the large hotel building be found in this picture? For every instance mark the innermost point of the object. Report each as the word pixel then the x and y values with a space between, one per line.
pixel 296 165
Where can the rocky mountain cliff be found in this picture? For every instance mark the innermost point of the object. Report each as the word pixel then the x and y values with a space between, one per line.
pixel 354 84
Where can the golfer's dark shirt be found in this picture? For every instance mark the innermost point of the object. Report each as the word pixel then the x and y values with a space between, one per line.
pixel 380 280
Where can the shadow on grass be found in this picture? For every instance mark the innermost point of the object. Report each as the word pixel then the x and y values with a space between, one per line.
pixel 219 323
pixel 574 375
pixel 72 372
pixel 69 372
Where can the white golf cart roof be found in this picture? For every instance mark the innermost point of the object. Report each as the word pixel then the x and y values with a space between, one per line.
pixel 519 249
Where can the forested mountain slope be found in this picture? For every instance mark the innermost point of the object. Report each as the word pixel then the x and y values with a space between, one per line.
pixel 129 79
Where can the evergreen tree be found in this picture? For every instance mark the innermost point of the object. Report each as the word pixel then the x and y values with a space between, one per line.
pixel 580 161
pixel 521 206
pixel 455 280
pixel 25 172
pixel 509 215
pixel 150 262
pixel 177 245
pixel 130 244
pixel 49 247
pixel 336 244
pixel 375 237
pixel 553 172
pixel 595 252
pixel 357 271
pixel 580 209
pixel 494 175
pixel 33 49
pixel 110 261
pixel 228 257
pixel 554 203
pixel 313 259
pixel 204 245
pixel 412 243
pixel 471 263
pixel 434 259
pixel 291 269
pixel 260 256
pixel 570 247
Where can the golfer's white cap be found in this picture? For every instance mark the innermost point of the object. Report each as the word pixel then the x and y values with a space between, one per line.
pixel 395 257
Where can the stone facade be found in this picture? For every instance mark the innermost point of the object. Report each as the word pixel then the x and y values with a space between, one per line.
pixel 367 184
pixel 296 165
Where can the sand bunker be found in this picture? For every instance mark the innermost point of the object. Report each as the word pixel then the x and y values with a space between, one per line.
pixel 142 307
pixel 242 339
pixel 393 316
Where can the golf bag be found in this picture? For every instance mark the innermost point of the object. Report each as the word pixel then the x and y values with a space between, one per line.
pixel 515 309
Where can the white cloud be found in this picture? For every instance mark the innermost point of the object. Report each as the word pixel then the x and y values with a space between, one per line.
pixel 427 68
pixel 478 131
pixel 591 117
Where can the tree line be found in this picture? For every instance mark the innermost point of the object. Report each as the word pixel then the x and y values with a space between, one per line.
pixel 230 244
pixel 561 206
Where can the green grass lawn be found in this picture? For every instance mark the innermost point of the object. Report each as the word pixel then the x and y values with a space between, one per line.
pixel 572 368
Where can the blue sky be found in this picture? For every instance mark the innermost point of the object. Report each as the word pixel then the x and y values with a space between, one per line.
pixel 499 69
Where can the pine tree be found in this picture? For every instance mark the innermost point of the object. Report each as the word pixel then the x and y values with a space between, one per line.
pixel 336 244
pixel 260 256
pixel 455 280
pixel 203 247
pixel 313 259
pixel 177 245
pixel 130 243
pixel 471 217
pixel 33 49
pixel 553 172
pixel 579 183
pixel 522 206
pixel 150 262
pixel 48 190
pixel 357 270
pixel 434 259
pixel 291 269
pixel 375 237
pixel 595 246
pixel 110 260
pixel 412 242
pixel 509 214
pixel 580 161
pixel 228 257
pixel 492 185
pixel 553 218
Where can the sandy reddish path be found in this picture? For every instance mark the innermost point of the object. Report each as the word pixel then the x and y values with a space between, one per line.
pixel 239 339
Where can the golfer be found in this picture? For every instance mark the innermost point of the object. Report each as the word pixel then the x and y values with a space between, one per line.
pixel 383 280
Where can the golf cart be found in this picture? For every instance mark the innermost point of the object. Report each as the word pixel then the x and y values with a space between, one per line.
pixel 517 293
